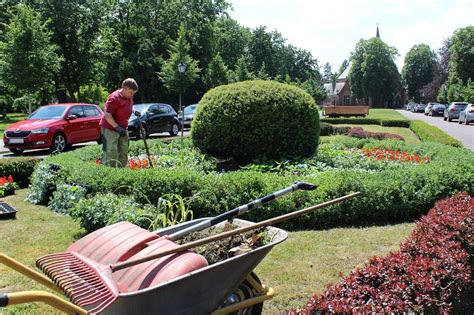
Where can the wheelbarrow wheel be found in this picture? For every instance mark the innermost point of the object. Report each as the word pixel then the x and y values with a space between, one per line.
pixel 243 292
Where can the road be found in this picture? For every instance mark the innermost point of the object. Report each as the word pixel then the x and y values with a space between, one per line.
pixel 463 133
pixel 4 153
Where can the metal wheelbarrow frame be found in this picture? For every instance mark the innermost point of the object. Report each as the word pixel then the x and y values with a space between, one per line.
pixel 200 292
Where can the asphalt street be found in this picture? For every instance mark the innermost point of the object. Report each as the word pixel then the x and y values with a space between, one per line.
pixel 463 133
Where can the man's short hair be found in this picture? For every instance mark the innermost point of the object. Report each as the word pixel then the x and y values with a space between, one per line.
pixel 130 83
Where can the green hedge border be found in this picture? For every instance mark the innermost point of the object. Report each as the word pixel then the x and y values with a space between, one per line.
pixel 388 197
pixel 20 168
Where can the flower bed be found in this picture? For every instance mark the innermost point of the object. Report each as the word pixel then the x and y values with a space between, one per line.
pixel 394 155
pixel 7 186
pixel 359 132
pixel 429 274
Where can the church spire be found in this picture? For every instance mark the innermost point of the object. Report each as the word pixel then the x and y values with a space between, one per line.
pixel 377 34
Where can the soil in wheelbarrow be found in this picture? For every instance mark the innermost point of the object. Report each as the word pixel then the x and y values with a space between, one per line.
pixel 228 247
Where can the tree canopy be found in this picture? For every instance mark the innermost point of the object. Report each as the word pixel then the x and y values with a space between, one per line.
pixel 418 70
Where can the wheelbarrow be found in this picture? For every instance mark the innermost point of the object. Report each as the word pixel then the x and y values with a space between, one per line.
pixel 147 281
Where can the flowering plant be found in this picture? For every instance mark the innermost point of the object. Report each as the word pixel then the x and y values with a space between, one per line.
pixel 7 186
pixel 394 155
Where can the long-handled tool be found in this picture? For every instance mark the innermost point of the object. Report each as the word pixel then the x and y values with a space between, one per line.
pixel 143 135
pixel 81 278
pixel 229 215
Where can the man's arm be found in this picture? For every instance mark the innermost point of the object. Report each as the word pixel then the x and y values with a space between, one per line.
pixel 108 117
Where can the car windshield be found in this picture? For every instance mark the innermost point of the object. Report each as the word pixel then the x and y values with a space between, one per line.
pixel 190 109
pixel 48 112
pixel 438 106
pixel 460 106
pixel 140 108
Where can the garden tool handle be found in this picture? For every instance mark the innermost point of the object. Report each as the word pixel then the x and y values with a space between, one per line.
pixel 241 209
pixel 180 248
pixel 142 130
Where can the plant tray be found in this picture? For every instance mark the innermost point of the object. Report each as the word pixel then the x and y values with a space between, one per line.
pixel 7 211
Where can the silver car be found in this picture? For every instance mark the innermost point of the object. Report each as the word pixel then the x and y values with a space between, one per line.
pixel 467 115
pixel 452 112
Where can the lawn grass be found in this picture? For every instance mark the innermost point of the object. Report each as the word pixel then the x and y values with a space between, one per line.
pixel 385 114
pixel 37 231
pixel 303 264
pixel 409 136
pixel 308 261
pixel 11 118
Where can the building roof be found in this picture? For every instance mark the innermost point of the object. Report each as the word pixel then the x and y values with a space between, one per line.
pixel 344 74
pixel 339 86
pixel 328 88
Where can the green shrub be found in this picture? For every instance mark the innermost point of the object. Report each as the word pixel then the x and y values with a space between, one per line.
pixel 325 129
pixel 396 123
pixel 392 192
pixel 104 209
pixel 19 168
pixel 352 121
pixel 43 183
pixel 256 119
pixel 65 197
pixel 428 132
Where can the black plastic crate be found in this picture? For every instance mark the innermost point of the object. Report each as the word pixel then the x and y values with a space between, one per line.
pixel 7 211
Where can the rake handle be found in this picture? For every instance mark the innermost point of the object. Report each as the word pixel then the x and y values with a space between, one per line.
pixel 180 248
pixel 229 215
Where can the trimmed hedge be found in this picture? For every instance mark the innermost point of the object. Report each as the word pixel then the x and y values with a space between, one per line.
pixel 430 274
pixel 20 168
pixel 428 132
pixel 367 121
pixel 392 194
pixel 256 120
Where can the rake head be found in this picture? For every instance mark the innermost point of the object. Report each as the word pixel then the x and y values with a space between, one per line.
pixel 85 282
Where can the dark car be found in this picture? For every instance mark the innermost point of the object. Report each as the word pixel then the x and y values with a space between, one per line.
pixel 55 127
pixel 155 117
pixel 452 112
pixel 437 110
pixel 189 112
pixel 420 108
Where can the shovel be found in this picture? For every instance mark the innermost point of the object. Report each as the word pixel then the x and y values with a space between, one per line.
pixel 143 133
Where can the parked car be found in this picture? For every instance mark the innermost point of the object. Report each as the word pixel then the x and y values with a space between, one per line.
pixel 453 110
pixel 437 110
pixel 155 117
pixel 467 115
pixel 412 106
pixel 420 108
pixel 55 127
pixel 189 112
pixel 428 108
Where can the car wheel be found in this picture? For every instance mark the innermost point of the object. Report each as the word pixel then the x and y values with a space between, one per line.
pixel 449 119
pixel 143 134
pixel 16 151
pixel 467 121
pixel 174 129
pixel 444 118
pixel 59 143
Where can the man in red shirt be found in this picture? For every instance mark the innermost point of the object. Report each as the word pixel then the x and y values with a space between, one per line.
pixel 114 123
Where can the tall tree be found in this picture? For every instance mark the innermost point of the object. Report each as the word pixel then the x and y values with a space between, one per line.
pixel 75 29
pixel 29 58
pixel 169 74
pixel 216 73
pixel 462 54
pixel 418 70
pixel 327 73
pixel 373 74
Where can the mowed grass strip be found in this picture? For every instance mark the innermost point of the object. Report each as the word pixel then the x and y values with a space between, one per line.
pixel 407 134
pixel 385 114
pixel 36 231
pixel 301 265
pixel 307 261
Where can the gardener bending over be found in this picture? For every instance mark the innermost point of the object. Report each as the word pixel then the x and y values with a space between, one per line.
pixel 114 123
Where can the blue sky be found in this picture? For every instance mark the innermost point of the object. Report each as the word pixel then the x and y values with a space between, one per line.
pixel 331 29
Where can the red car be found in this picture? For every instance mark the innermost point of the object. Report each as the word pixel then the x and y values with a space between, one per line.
pixel 55 127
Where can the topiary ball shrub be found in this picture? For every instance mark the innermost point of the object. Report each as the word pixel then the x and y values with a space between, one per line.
pixel 256 120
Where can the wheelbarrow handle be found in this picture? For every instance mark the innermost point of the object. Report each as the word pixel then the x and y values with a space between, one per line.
pixel 212 238
pixel 241 209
